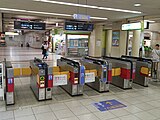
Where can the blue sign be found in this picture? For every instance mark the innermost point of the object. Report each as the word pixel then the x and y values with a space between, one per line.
pixel 108 105
pixel 82 75
pixel 10 80
pixel 81 17
pixel 50 77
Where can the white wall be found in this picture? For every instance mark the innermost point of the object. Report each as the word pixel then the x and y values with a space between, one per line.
pixel 35 39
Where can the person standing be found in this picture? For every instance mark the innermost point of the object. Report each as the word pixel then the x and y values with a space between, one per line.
pixel 44 50
pixel 156 52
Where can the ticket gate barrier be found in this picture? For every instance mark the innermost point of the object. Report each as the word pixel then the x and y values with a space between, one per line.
pixel 123 72
pixel 9 90
pixel 143 69
pixel 41 81
pixel 101 72
pixel 77 75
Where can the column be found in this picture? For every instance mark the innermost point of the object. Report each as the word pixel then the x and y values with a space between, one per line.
pixel 108 42
pixel 95 45
pixel 1 26
pixel 136 43
pixel 123 42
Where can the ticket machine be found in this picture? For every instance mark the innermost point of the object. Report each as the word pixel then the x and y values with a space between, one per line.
pixel 41 81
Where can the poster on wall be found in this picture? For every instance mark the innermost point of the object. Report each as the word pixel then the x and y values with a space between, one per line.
pixel 115 38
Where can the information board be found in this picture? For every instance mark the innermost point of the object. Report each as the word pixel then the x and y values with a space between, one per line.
pixel 78 26
pixel 29 25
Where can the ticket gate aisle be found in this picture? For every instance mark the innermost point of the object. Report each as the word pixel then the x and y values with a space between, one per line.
pixel 101 70
pixel 77 75
pixel 123 72
pixel 41 81
pixel 9 90
pixel 143 69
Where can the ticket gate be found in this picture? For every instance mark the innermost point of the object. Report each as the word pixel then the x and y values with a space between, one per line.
pixel 41 81
pixel 101 70
pixel 123 72
pixel 77 75
pixel 143 69
pixel 9 90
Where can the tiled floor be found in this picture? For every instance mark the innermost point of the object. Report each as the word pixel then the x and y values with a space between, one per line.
pixel 143 103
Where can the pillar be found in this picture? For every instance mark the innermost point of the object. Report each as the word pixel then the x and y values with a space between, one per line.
pixel 1 26
pixel 108 42
pixel 123 42
pixel 95 43
pixel 136 43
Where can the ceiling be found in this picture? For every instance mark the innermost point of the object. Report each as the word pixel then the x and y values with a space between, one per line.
pixel 148 8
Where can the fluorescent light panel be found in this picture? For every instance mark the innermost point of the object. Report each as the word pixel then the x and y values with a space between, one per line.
pixel 46 13
pixel 88 6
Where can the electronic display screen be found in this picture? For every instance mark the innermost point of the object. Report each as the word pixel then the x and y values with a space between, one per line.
pixel 78 26
pixel 29 25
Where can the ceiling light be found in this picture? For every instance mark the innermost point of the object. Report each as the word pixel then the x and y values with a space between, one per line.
pixel 151 21
pixel 56 24
pixel 88 6
pixel 137 5
pixel 46 13
pixel 99 18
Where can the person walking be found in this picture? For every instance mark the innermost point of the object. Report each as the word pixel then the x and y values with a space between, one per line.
pixel 44 50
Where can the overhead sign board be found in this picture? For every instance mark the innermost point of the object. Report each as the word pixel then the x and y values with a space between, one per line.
pixel 81 17
pixel 135 26
pixel 29 25
pixel 78 26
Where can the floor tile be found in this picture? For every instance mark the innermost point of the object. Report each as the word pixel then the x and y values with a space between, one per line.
pixel 145 116
pixel 23 112
pixel 41 109
pixel 86 101
pixel 104 115
pixel 133 109
pixel 6 115
pixel 73 104
pixel 31 117
pixel 70 118
pixel 144 106
pixel 120 112
pixel 90 116
pixel 46 116
pixel 92 108
pixel 58 106
pixel 129 117
pixel 155 112
pixel 61 114
pixel 80 110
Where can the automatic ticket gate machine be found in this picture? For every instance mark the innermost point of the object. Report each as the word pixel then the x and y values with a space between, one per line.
pixel 41 81
pixel 77 76
pixel 101 70
pixel 143 69
pixel 9 90
pixel 123 72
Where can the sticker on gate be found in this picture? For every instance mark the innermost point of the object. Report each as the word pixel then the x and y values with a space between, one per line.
pixel 59 80
pixel 89 77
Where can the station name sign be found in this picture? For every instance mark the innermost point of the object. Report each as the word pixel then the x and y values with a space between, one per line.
pixel 135 26
pixel 29 25
pixel 78 26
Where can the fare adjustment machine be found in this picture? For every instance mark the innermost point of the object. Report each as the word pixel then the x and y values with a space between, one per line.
pixel 41 79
